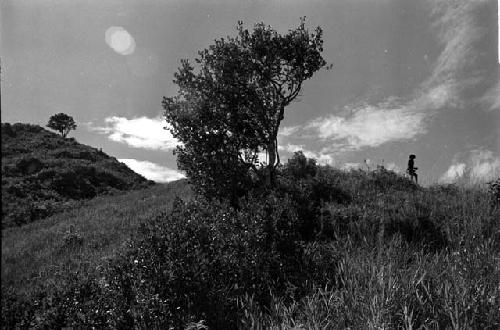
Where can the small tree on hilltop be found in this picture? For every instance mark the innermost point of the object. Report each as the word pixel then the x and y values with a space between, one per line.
pixel 62 123
pixel 231 109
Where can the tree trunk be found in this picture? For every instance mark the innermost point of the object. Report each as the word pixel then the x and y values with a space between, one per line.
pixel 271 151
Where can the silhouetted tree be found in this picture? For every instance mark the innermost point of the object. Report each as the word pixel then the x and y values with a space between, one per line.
pixel 231 109
pixel 300 166
pixel 62 123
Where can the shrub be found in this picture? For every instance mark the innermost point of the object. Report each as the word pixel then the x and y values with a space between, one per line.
pixel 72 184
pixel 29 165
pixel 310 195
pixel 196 262
pixel 301 167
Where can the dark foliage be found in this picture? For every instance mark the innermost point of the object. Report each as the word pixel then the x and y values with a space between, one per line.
pixel 231 109
pixel 310 196
pixel 62 123
pixel 205 257
pixel 301 167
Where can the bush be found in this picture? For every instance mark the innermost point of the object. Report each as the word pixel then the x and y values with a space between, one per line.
pixel 73 184
pixel 195 263
pixel 310 195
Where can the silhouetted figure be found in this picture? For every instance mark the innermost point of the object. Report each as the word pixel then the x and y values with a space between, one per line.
pixel 412 169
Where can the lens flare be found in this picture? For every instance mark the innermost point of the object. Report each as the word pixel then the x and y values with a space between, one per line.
pixel 119 40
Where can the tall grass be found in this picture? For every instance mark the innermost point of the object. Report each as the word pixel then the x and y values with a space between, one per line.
pixel 424 258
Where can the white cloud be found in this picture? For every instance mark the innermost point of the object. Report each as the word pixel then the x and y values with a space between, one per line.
pixel 287 131
pixel 395 168
pixel 485 165
pixel 480 166
pixel 152 171
pixel 141 132
pixel 453 173
pixel 321 157
pixel 492 97
pixel 457 31
pixel 453 71
pixel 370 126
pixel 291 147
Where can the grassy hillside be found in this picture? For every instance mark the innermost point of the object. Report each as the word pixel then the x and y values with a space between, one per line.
pixel 326 249
pixel 44 173
pixel 81 238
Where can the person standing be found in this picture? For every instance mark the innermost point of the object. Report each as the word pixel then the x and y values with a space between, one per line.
pixel 412 169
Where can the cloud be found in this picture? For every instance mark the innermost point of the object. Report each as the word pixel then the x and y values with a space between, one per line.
pixel 492 98
pixel 454 70
pixel 287 131
pixel 141 132
pixel 370 126
pixel 457 32
pixel 485 165
pixel 152 171
pixel 453 173
pixel 480 166
pixel 395 168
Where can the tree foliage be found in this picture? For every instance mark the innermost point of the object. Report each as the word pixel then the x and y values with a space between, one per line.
pixel 301 167
pixel 62 123
pixel 230 110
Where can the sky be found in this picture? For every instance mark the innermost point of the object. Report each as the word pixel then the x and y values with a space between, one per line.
pixel 409 77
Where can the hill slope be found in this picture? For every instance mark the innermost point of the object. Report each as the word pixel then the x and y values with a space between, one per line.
pixel 80 238
pixel 43 173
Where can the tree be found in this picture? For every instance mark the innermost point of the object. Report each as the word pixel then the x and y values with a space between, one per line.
pixel 230 110
pixel 62 123
pixel 301 167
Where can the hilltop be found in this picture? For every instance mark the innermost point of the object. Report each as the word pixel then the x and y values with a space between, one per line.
pixel 44 173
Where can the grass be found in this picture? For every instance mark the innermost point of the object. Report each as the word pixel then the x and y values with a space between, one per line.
pixel 81 238
pixel 400 278
pixel 359 250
